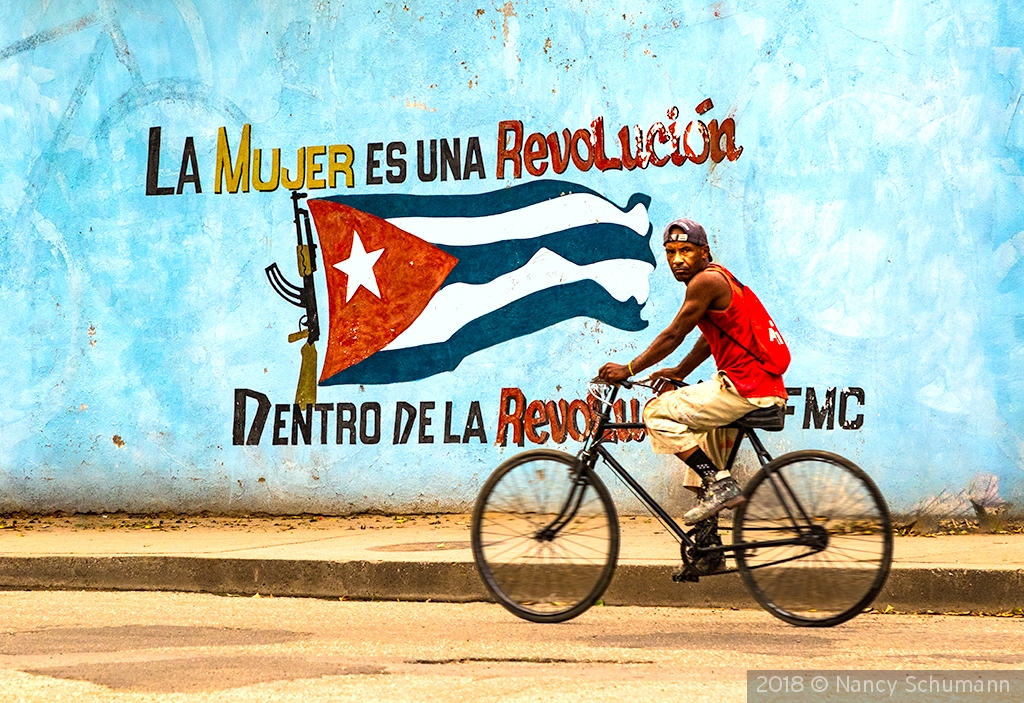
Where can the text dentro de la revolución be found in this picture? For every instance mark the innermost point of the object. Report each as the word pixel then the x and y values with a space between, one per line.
pixel 259 421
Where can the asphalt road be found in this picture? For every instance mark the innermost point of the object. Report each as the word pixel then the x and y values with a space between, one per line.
pixel 97 646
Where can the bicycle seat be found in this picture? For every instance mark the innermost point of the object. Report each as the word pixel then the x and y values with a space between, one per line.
pixel 770 419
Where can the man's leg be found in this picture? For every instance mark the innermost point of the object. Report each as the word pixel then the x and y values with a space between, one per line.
pixel 679 420
pixel 702 465
pixel 705 532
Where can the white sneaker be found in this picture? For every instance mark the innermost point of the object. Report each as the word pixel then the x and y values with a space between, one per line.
pixel 723 493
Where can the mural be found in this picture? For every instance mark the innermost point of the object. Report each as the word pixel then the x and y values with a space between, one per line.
pixel 468 194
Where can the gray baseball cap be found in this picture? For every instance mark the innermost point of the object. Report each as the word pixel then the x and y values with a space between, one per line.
pixel 690 232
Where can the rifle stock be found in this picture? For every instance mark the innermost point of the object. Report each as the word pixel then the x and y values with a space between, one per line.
pixel 305 390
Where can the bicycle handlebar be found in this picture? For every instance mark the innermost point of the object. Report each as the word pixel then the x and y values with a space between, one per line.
pixel 647 382
pixel 597 380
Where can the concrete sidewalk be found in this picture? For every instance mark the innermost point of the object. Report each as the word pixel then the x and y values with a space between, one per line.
pixel 429 557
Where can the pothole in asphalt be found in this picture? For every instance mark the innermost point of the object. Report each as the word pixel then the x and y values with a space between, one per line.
pixel 64 640
pixel 197 674
pixel 421 547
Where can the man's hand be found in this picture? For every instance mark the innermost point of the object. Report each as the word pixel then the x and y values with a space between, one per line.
pixel 661 379
pixel 613 373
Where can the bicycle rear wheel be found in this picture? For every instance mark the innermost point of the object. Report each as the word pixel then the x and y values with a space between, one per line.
pixel 545 539
pixel 846 552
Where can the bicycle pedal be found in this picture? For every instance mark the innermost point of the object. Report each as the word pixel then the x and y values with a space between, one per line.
pixel 685 576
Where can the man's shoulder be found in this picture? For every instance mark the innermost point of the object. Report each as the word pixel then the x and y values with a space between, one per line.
pixel 712 278
pixel 710 288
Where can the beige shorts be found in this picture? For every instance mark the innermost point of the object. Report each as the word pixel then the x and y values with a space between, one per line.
pixel 689 417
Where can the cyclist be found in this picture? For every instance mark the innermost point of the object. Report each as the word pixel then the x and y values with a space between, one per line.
pixel 687 421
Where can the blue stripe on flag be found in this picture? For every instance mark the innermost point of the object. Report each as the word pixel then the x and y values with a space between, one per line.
pixel 480 205
pixel 521 317
pixel 580 245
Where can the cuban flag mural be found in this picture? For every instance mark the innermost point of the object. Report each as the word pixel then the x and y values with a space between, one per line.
pixel 418 283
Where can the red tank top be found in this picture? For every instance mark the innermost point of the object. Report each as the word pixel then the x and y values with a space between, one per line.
pixel 746 373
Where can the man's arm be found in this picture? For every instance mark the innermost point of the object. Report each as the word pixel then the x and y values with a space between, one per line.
pixel 700 353
pixel 701 291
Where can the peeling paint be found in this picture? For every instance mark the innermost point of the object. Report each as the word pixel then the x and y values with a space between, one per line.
pixel 417 105
pixel 508 12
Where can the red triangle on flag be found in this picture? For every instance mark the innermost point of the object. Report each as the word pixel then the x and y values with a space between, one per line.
pixel 407 272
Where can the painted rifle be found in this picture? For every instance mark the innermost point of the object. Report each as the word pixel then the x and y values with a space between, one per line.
pixel 302 297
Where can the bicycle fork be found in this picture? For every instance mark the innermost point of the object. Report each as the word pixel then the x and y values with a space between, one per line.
pixel 569 508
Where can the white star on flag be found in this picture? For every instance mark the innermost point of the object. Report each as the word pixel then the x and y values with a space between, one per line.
pixel 359 268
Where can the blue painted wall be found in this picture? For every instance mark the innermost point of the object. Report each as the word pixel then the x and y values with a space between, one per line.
pixel 875 207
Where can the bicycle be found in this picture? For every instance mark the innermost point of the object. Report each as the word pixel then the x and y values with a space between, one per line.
pixel 813 541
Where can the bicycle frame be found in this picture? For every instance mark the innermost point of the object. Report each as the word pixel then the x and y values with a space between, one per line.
pixel 594 448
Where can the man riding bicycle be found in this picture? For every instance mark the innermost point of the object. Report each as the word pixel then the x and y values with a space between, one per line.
pixel 545 533
pixel 750 355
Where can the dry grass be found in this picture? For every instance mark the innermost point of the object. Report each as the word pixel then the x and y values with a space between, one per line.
pixel 175 522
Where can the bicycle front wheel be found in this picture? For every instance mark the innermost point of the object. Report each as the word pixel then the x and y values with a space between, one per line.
pixel 545 536
pixel 843 522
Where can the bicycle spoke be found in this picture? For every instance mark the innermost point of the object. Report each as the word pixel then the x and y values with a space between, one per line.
pixel 568 551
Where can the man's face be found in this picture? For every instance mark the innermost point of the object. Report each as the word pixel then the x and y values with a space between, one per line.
pixel 686 259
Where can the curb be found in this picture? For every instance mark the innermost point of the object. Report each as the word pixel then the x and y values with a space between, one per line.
pixel 355 580
pixel 953 590
pixel 909 590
